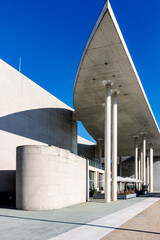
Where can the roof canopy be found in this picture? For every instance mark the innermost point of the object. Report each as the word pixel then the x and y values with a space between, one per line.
pixel 106 57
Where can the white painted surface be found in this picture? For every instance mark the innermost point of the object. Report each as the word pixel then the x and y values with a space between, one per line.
pixel 103 226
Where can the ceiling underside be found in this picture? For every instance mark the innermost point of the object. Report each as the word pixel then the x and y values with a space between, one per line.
pixel 106 57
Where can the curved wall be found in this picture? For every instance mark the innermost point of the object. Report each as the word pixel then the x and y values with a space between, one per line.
pixel 49 178
pixel 29 116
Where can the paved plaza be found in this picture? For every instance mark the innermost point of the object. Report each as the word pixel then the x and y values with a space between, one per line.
pixel 83 221
pixel 143 226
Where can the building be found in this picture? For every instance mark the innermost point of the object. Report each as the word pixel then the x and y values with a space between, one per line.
pixel 53 169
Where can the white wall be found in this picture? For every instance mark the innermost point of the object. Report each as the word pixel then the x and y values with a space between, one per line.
pixel 30 115
pixel 49 178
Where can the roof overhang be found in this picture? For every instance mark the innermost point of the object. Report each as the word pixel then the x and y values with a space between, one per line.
pixel 106 57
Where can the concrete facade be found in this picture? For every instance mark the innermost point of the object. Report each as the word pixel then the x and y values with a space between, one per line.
pixel 49 178
pixel 156 174
pixel 30 115
pixel 49 174
pixel 86 148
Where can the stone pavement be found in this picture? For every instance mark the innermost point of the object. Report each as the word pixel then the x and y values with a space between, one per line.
pixel 145 225
pixel 43 225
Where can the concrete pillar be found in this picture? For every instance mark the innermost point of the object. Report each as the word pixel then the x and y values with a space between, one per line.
pixel 87 180
pixel 74 137
pixel 114 146
pixel 144 159
pixel 98 180
pixel 151 168
pixel 136 158
pixel 100 149
pixel 120 166
pixel 95 180
pixel 107 143
pixel 141 160
pixel 139 168
pixel 147 170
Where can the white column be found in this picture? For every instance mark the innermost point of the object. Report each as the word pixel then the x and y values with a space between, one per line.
pixel 120 166
pixel 87 180
pixel 136 158
pixel 141 156
pixel 114 146
pixel 151 169
pixel 144 158
pixel 107 143
pixel 100 149
pixel 120 171
pixel 147 172
pixel 95 180
pixel 139 168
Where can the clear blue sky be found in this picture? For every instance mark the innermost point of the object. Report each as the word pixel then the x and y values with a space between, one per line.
pixel 50 36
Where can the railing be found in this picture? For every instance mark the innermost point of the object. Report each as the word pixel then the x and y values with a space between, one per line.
pixel 95 164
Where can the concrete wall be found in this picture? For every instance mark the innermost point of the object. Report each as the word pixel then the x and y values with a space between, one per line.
pixel 128 171
pixel 30 115
pixel 156 174
pixel 127 167
pixel 86 148
pixel 49 178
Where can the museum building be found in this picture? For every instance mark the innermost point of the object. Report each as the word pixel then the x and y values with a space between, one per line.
pixel 44 164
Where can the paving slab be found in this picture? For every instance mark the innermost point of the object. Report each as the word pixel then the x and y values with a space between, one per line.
pixel 44 225
pixel 145 225
pixel 95 230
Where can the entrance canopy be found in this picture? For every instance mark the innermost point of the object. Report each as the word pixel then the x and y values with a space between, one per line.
pixel 106 57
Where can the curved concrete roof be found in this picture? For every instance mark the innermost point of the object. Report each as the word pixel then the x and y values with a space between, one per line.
pixel 106 57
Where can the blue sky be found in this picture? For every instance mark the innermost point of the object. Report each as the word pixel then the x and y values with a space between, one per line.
pixel 50 37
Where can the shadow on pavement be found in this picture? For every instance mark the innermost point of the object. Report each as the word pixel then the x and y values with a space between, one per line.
pixel 82 224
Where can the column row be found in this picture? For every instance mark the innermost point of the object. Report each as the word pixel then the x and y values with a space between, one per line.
pixel 110 142
pixel 144 163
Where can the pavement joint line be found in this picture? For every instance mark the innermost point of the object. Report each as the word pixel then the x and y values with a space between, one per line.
pixel 103 226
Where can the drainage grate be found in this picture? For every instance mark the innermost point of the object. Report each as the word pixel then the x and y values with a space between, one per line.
pixel 141 215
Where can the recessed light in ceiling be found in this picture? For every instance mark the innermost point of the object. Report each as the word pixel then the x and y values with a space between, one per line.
pixel 113 75
pixel 94 79
pixel 120 85
pixel 125 94
pixel 106 63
